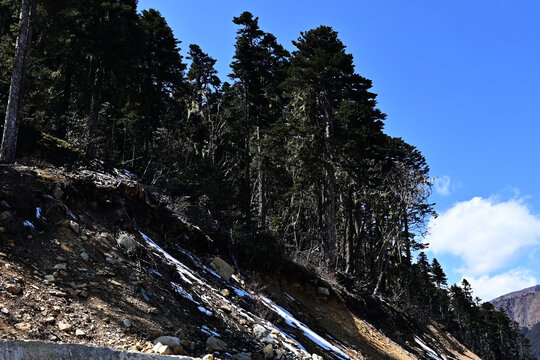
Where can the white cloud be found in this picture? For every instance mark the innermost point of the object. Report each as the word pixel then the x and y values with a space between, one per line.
pixel 489 287
pixel 442 185
pixel 486 234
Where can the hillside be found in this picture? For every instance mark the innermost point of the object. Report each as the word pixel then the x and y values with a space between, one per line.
pixel 91 256
pixel 524 307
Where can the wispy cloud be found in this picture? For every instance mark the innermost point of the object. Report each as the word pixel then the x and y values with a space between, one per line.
pixel 442 185
pixel 488 236
pixel 489 287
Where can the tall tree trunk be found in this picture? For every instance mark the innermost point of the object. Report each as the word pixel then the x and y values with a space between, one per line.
pixel 246 197
pixel 261 196
pixel 22 49
pixel 329 204
pixel 95 107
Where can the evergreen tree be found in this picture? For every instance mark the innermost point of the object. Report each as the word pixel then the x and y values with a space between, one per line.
pixel 22 49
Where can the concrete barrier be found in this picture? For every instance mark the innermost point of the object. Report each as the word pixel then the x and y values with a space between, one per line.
pixel 41 350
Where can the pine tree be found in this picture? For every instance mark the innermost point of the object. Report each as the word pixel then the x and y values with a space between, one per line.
pixel 22 50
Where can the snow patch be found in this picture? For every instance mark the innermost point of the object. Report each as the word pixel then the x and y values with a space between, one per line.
pixel 242 293
pixel 27 223
pixel 185 273
pixel 310 334
pixel 204 311
pixel 155 272
pixel 207 331
pixel 429 351
pixel 289 296
pixel 182 292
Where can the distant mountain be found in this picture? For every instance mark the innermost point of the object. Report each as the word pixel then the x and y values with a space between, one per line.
pixel 523 306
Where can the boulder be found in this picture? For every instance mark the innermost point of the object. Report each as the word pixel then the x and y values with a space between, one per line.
pixel 215 344
pixel 74 226
pixel 5 216
pixel 126 242
pixel 171 341
pixel 316 357
pixel 221 267
pixel 323 292
pixel 268 351
pixel 242 356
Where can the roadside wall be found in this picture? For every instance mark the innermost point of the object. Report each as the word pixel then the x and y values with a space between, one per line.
pixel 40 350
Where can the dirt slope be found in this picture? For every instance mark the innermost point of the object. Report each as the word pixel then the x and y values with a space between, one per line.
pixel 93 257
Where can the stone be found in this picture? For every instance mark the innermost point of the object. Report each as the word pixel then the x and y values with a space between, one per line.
pixel 58 193
pixel 126 242
pixel 225 292
pixel 5 216
pixel 83 294
pixel 79 332
pixel 127 323
pixel 5 311
pixel 171 341
pixel 323 292
pixel 215 344
pixel 242 356
pixel 49 320
pixel 85 256
pixel 316 357
pixel 23 326
pixel 75 227
pixel 61 266
pixel 222 268
pixel 178 350
pixel 208 357
pixel 159 348
pixel 226 308
pixel 259 331
pixel 50 278
pixel 63 326
pixel 268 351
pixel 13 289
pixel 4 205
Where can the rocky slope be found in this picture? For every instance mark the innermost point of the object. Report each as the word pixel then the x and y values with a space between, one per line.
pixel 524 307
pixel 91 256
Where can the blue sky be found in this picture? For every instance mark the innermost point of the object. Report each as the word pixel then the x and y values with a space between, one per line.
pixel 458 79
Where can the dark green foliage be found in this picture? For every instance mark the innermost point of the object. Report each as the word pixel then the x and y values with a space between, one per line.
pixel 290 160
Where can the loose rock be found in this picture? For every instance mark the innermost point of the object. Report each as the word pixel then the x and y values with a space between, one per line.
pixel 242 356
pixel 126 241
pixel 162 349
pixel 85 256
pixel 5 216
pixel 268 351
pixel 127 323
pixel 79 332
pixel 63 326
pixel 74 226
pixel 222 268
pixel 13 289
pixel 171 341
pixel 323 292
pixel 215 344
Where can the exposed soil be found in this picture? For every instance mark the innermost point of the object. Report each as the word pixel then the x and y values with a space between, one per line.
pixel 65 278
